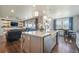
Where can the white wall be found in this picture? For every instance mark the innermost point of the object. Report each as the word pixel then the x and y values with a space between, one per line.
pixel 1 29
pixel 76 23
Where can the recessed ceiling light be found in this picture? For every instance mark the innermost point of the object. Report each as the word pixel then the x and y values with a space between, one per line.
pixel 34 5
pixel 7 17
pixel 12 11
pixel 44 17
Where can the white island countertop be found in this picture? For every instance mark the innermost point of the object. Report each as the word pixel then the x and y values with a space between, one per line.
pixel 40 33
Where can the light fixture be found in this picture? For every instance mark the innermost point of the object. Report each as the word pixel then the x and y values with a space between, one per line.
pixel 36 13
pixel 44 17
pixel 34 5
pixel 12 11
pixel 49 19
pixel 7 17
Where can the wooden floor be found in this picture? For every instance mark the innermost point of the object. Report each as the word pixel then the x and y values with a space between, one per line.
pixel 65 45
pixel 11 47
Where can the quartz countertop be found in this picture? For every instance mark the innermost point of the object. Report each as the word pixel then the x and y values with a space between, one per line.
pixel 40 33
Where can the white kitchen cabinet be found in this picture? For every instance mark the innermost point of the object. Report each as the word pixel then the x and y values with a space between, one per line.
pixel 26 43
pixel 36 44
pixel 49 43
pixel 77 39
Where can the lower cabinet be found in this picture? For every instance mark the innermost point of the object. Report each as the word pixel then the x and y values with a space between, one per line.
pixel 32 44
pixel 49 43
pixel 36 44
pixel 77 40
pixel 26 43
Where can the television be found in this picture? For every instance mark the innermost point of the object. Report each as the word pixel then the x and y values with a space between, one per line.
pixel 14 24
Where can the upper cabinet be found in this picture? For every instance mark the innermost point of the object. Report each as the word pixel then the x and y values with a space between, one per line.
pixel 11 23
pixel 31 23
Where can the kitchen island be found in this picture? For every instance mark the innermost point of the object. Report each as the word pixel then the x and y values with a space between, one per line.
pixel 39 41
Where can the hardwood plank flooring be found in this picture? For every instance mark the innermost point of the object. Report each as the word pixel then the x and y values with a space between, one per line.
pixel 65 45
pixel 14 47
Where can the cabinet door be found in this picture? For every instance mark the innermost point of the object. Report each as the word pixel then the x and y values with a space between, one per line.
pixel 36 44
pixel 26 44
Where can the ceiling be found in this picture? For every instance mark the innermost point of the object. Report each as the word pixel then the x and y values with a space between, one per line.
pixel 27 11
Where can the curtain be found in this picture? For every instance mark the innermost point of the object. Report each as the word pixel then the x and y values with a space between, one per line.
pixel 54 24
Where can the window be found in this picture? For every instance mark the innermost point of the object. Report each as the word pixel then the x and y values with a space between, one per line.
pixel 62 23
pixel 66 24
pixel 58 24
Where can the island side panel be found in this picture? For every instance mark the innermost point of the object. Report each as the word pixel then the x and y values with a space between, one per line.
pixel 49 43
